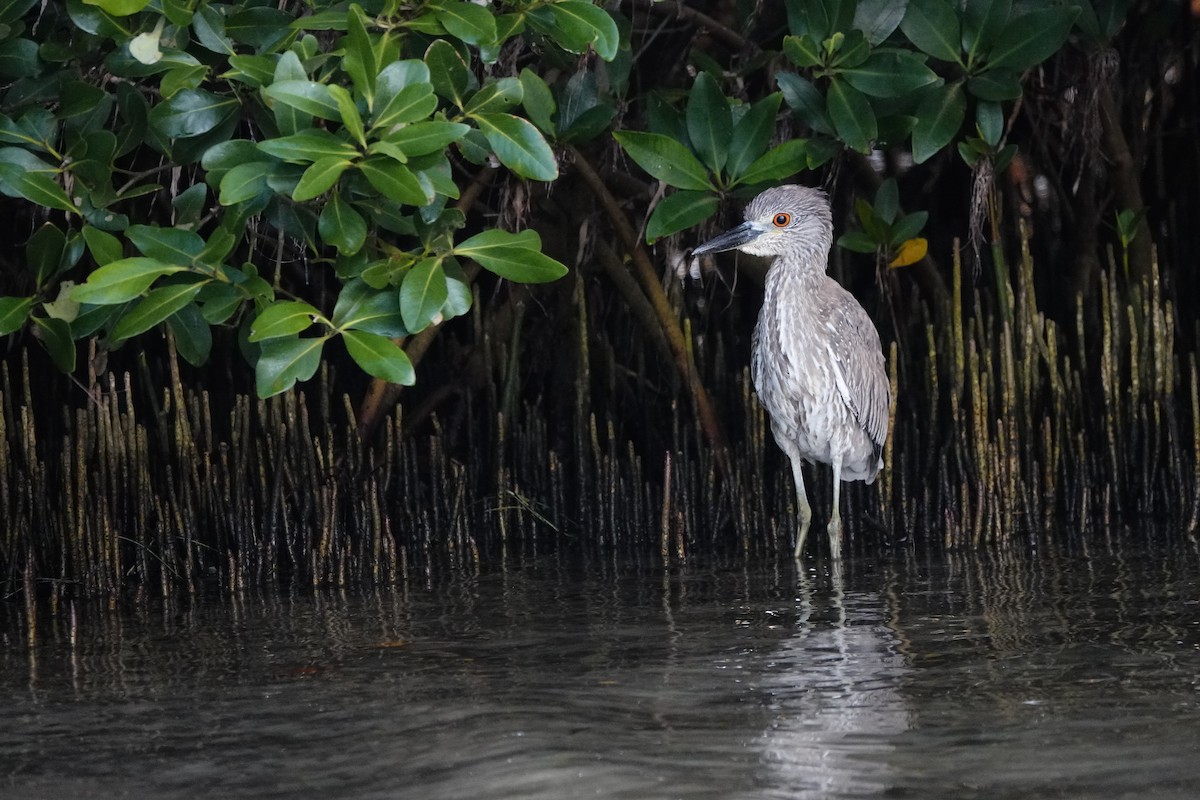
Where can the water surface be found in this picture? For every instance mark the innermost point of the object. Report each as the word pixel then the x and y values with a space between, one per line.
pixel 1069 675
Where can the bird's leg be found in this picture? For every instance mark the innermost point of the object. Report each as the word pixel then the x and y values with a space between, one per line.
pixel 835 516
pixel 802 506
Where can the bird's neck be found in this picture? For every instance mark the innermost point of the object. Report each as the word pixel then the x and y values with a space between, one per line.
pixel 797 271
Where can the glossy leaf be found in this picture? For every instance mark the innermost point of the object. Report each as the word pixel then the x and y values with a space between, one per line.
pixel 538 101
pixel 665 159
pixel 243 182
pixel 363 308
pixel 519 146
pixel 803 51
pixel 169 245
pixel 890 73
pixel 13 313
pixel 351 117
pixel 584 24
pixel 778 163
pixel 995 85
pixel 982 21
pixel 933 27
pixel 282 318
pixel 497 95
pixel 909 226
pixel 193 336
pixel 55 336
pixel 394 180
pixel 283 362
pixel 191 112
pixel 679 211
pixel 939 118
pixel 709 122
pixel 308 146
pixel 447 72
pixel 308 97
pixel 752 134
pixel 852 116
pixel 1031 38
pixel 36 187
pixel 341 226
pixel 516 256
pixel 422 294
pixel 119 8
pixel 805 101
pixel 319 178
pixel 422 138
pixel 887 201
pixel 472 23
pixel 878 19
pixel 122 281
pixel 380 357
pixel 155 307
pixel 104 247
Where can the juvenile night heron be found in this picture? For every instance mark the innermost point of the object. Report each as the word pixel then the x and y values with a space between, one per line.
pixel 816 360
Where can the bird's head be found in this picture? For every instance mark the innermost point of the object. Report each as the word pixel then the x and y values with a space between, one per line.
pixel 785 220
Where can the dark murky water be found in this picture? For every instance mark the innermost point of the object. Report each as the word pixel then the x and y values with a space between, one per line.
pixel 981 677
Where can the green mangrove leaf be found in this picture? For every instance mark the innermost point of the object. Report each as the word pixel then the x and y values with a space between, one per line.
pixel 193 336
pixel 890 73
pixel 939 118
pixel 13 313
pixel 806 101
pixel 394 180
pixel 580 24
pixel 679 211
pixel 122 281
pixel 55 336
pixel 282 318
pixel 515 256
pixel 709 122
pixel 1031 38
pixel 308 146
pixel 341 226
pixel 538 101
pixel 155 307
pixel 380 357
pixel 104 247
pixel 447 71
pixel 308 97
pixel 422 138
pixel 467 21
pixel 878 19
pixel 852 116
pixel 422 294
pixel 169 245
pixel 363 308
pixel 191 112
pixel 665 159
pixel 752 134
pixel 982 22
pixel 778 163
pixel 519 146
pixel 282 362
pixel 933 27
pixel 319 178
pixel 244 182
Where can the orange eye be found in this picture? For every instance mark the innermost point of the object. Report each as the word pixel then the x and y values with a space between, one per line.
pixel 782 220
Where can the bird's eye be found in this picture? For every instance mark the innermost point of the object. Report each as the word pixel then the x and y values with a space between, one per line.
pixel 782 220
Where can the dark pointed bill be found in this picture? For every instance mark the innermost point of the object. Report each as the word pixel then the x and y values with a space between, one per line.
pixel 746 232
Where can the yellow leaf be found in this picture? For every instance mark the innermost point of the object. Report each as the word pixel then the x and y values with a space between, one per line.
pixel 910 252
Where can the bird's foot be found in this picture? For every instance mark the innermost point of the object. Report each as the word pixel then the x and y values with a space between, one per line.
pixel 834 529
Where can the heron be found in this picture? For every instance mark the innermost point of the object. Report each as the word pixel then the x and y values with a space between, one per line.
pixel 816 360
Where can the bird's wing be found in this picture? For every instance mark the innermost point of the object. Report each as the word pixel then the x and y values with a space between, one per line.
pixel 859 370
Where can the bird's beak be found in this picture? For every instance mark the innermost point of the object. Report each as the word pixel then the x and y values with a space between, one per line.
pixel 742 234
